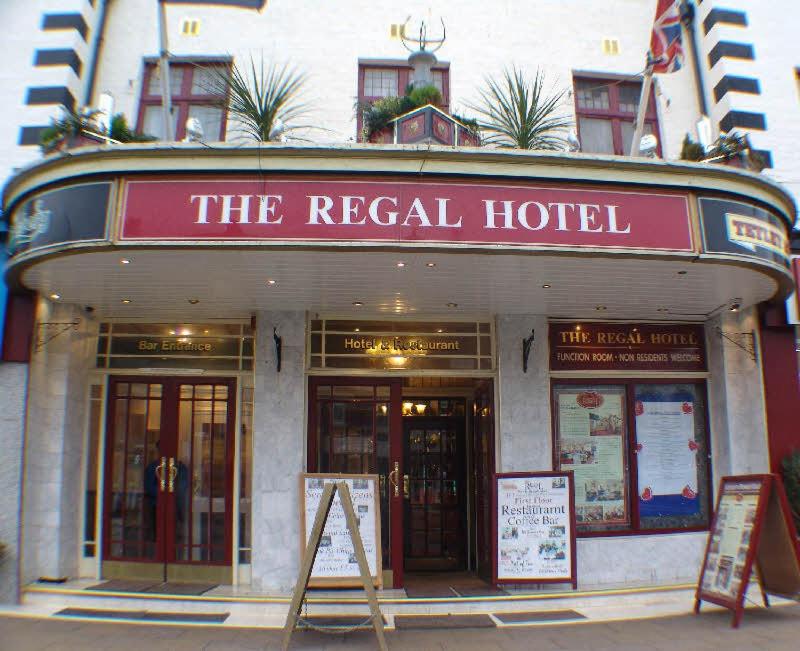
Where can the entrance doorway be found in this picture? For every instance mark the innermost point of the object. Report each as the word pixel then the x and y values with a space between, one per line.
pixel 430 440
pixel 169 478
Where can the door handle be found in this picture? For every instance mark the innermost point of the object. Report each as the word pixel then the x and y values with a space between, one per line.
pixel 173 472
pixel 393 477
pixel 405 486
pixel 160 473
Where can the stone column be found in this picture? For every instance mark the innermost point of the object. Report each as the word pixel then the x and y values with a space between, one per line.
pixel 279 436
pixel 56 410
pixel 736 398
pixel 525 439
pixel 13 383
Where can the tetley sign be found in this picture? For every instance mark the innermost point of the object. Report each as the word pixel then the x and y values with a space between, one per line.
pixel 284 209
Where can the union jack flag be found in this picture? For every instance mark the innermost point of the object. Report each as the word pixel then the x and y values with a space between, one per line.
pixel 666 49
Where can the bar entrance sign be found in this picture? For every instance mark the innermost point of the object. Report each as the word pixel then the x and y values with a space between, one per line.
pixel 752 529
pixel 329 491
pixel 534 528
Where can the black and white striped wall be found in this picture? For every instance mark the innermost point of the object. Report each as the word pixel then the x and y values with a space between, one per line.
pixel 729 54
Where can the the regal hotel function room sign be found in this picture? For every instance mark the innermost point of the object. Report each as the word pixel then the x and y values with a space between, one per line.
pixel 335 310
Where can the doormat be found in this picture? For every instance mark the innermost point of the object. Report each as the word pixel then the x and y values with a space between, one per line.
pixel 144 615
pixel 188 589
pixel 153 587
pixel 124 585
pixel 407 622
pixel 539 616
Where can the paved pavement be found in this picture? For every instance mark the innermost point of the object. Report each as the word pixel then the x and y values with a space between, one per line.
pixel 775 629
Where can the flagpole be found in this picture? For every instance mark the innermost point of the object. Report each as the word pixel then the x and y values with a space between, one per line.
pixel 644 98
pixel 163 65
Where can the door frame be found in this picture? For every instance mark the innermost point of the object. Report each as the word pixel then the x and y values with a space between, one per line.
pixel 396 499
pixel 169 419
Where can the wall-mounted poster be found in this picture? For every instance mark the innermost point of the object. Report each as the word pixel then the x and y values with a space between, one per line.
pixel 591 443
pixel 336 563
pixel 534 516
pixel 752 527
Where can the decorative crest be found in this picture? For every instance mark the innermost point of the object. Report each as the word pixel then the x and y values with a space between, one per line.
pixel 422 42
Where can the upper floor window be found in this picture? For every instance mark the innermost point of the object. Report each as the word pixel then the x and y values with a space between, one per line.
pixel 192 97
pixel 606 114
pixel 377 79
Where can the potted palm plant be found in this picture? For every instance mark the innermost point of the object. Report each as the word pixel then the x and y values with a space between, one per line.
pixel 263 102
pixel 517 112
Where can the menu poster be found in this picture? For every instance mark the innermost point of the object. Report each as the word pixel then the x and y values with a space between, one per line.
pixel 534 528
pixel 336 563
pixel 666 457
pixel 591 427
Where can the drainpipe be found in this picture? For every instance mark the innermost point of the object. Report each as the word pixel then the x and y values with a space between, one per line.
pixel 687 18
pixel 99 33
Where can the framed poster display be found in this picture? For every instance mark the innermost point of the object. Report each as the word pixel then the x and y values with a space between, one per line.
pixel 534 528
pixel 336 564
pixel 752 529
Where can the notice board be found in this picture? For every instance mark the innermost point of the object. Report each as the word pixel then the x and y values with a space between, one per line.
pixel 336 564
pixel 534 528
pixel 752 530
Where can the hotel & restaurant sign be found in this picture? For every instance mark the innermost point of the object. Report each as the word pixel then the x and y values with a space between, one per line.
pixel 627 346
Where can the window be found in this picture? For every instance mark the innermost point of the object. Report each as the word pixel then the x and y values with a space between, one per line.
pixel 377 79
pixel 192 97
pixel 606 113
pixel 639 452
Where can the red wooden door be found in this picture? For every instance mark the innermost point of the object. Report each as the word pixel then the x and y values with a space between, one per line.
pixel 354 426
pixel 169 474
pixel 483 458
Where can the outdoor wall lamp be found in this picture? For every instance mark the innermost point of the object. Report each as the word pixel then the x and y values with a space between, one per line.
pixel 527 344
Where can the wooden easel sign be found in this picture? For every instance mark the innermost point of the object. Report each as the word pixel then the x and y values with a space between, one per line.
pixel 752 530
pixel 335 565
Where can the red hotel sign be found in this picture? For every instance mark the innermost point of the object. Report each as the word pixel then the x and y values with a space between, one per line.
pixel 325 210
pixel 627 347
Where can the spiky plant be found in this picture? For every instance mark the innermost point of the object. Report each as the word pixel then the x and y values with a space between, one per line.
pixel 520 113
pixel 71 124
pixel 260 99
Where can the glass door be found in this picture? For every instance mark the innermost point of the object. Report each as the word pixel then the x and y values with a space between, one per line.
pixel 169 463
pixel 354 427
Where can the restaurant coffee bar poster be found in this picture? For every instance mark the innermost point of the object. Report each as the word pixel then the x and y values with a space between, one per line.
pixel 534 527
pixel 752 531
pixel 336 563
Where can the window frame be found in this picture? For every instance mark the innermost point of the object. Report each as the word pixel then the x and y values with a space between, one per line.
pixel 403 79
pixel 632 479
pixel 613 114
pixel 184 99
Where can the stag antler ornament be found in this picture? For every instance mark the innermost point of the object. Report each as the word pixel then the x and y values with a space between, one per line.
pixel 422 43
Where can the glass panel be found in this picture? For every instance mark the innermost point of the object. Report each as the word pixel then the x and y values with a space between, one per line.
pixel 220 392
pixel 380 83
pixel 629 98
pixel 203 392
pixel 592 94
pixel 122 389
pixel 438 80
pixel 155 390
pixel 627 133
pixel 245 474
pixel 591 440
pixel 153 121
pixel 357 391
pixel 672 456
pixel 210 118
pixel 175 80
pixel 205 80
pixel 90 498
pixel 596 136
pixel 324 391
pixel 184 466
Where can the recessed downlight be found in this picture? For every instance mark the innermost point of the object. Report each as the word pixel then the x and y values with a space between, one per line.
pixel 194 301
pixel 125 261
pixel 452 305
pixel 401 264
pixel 357 303
pixel 271 281
pixel 545 286
pixel 430 265
pixel 55 296
pixel 662 309
pixel 682 272
pixel 601 308
pixel 126 301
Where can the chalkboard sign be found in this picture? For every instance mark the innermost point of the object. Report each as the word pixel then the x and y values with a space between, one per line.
pixel 752 530
pixel 534 528
pixel 336 564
